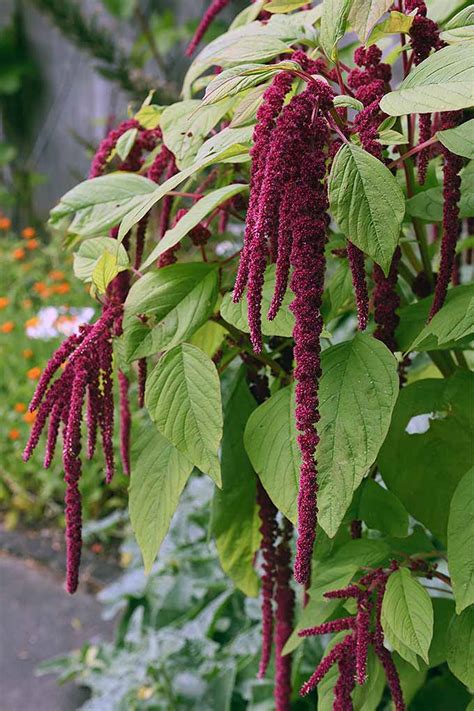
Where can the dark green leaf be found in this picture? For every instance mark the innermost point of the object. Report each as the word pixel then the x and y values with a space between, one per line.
pixel 461 646
pixel 380 509
pixel 461 542
pixel 443 609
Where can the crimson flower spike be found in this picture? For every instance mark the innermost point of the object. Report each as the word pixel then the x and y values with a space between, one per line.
pixel 285 604
pixel 391 673
pixel 357 265
pixel 451 221
pixel 344 623
pixel 346 681
pixel 334 656
pixel 209 16
pixel 268 529
pixel 386 302
pixel 106 147
pixel 362 628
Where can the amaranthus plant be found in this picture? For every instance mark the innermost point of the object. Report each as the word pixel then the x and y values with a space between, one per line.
pixel 283 260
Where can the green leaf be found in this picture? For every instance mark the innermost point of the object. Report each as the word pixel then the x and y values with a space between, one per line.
pixel 365 13
pixel 226 139
pixel 333 25
pixel 92 250
pixel 246 111
pixel 186 124
pixel 440 693
pixel 235 520
pixel 396 23
pixel 105 270
pixel 193 217
pixel 149 115
pixel 245 76
pixel 407 615
pixel 443 609
pixel 176 300
pixel 428 204
pixel 99 204
pixel 428 447
pixel 125 143
pixel 364 698
pixel 159 475
pixel 247 15
pixel 122 9
pixel 461 542
pixel 381 510
pixel 209 338
pixel 282 6
pixel 282 325
pixel 339 294
pixel 459 140
pixel 392 138
pixel 349 101
pixel 443 82
pixel 411 679
pixel 353 425
pixel 461 647
pixel 184 400
pixel 453 322
pixel 367 203
pixel 460 27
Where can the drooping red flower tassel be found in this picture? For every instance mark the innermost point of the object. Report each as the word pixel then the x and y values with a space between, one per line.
pixel 99 163
pixel 386 302
pixel 285 603
pixel 269 530
pixel 357 265
pixel 211 13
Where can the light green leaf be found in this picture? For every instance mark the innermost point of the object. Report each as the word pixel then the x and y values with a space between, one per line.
pixel 149 115
pixel 367 203
pixel 392 138
pixel 193 217
pixel 282 6
pixel 461 542
pixel 443 82
pixel 226 139
pixel 429 447
pixel 411 678
pixel 459 140
pixel 159 474
pixel 245 76
pixel 461 647
pixel 125 143
pixel 382 510
pixel 247 15
pixel 90 252
pixel 453 322
pixel 186 124
pixel 353 425
pixel 365 13
pixel 176 300
pixel 246 110
pixel 349 101
pixel 184 400
pixel 407 615
pixel 235 519
pixel 460 27
pixel 396 23
pixel 105 270
pixel 236 314
pixel 209 338
pixel 99 204
pixel 333 25
pixel 339 293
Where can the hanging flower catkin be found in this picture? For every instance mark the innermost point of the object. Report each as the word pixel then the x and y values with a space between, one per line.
pixel 285 604
pixel 209 16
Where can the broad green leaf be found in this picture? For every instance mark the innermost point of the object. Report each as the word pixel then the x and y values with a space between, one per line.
pixel 339 294
pixel 245 76
pixel 105 270
pixel 247 15
pixel 333 25
pixel 429 447
pixel 176 300
pixel 411 679
pixel 353 425
pixel 226 139
pixel 413 320
pixel 461 646
pixel 125 143
pixel 275 6
pixel 91 250
pixel 143 205
pixel 442 11
pixel 407 615
pixel 159 474
pixel 441 692
pixel 443 82
pixel 367 203
pixel 186 124
pixel 209 338
pixel 184 401
pixel 246 111
pixel 428 204
pixel 459 140
pixel 380 509
pixel 235 520
pixel 461 542
pixel 282 325
pixel 392 138
pixel 443 609
pixel 460 27
pixel 149 115
pixel 193 217
pixel 452 323
pixel 349 101
pixel 99 204
pixel 396 23
pixel 365 13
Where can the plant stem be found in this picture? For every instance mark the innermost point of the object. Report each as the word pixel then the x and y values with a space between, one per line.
pixel 413 151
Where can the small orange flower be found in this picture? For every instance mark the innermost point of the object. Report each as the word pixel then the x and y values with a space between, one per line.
pixel 7 327
pixel 32 244
pixel 32 322
pixel 4 301
pixel 63 288
pixel 28 233
pixel 14 434
pixel 29 417
pixel 27 303
pixel 34 373
pixel 20 407
pixel 5 223
pixel 19 253
pixel 27 353
pixel 56 275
